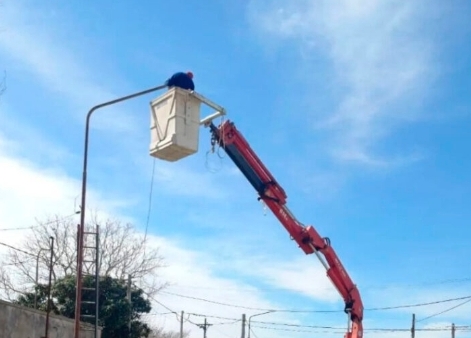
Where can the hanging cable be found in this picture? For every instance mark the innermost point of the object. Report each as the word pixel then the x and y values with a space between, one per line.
pixel 418 305
pixel 18 263
pixel 19 228
pixel 16 249
pixel 41 224
pixel 444 311
pixel 213 144
pixel 340 330
pixel 371 287
pixel 327 329
pixel 317 311
pixel 165 306
pixel 149 207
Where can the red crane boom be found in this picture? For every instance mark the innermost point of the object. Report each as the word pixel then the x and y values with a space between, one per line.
pixel 308 239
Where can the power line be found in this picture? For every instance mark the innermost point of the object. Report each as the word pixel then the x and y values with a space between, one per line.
pixel 444 328
pixel 215 317
pixel 228 320
pixel 231 320
pixel 251 289
pixel 149 207
pixel 17 263
pixel 12 247
pixel 370 287
pixel 341 330
pixel 158 314
pixel 165 306
pixel 316 311
pixel 327 329
pixel 419 304
pixel 161 304
pixel 296 330
pixel 299 325
pixel 41 224
pixel 19 228
pixel 445 311
pixel 213 301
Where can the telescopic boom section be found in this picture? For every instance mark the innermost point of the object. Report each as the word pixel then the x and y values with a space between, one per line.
pixel 308 239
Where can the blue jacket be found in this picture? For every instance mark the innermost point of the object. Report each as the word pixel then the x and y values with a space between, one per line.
pixel 181 80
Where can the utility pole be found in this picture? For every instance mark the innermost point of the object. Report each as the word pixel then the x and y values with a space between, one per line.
pixel 181 325
pixel 204 327
pixel 36 280
pixel 412 330
pixel 46 333
pixel 130 304
pixel 243 326
pixel 97 279
pixel 453 330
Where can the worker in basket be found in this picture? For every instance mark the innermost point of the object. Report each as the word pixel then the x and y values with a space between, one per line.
pixel 182 80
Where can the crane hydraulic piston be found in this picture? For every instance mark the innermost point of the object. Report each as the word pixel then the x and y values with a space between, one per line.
pixel 307 238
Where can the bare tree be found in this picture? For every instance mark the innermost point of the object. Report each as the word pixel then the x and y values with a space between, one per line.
pixel 123 251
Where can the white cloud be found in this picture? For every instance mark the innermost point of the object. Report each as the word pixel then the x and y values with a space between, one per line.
pixel 62 71
pixel 381 64
pixel 302 275
pixel 28 191
pixel 193 274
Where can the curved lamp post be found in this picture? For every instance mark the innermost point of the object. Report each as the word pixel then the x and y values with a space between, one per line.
pixel 258 314
pixel 78 294
pixel 219 112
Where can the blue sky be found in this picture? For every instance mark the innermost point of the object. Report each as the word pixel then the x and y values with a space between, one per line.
pixel 359 108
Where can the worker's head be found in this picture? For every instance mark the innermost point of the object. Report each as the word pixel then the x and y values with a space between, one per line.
pixel 190 74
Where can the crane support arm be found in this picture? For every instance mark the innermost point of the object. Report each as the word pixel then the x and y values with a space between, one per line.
pixel 307 238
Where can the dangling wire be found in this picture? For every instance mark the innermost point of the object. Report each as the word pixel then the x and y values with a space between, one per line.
pixel 222 139
pixel 215 148
pixel 207 163
pixel 149 206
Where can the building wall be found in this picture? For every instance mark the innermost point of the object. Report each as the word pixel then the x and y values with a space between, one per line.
pixel 21 322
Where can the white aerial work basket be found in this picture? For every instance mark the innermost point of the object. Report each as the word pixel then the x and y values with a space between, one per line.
pixel 175 122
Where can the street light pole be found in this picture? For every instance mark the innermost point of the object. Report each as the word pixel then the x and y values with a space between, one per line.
pixel 78 293
pixel 255 315
pixel 51 262
pixel 37 278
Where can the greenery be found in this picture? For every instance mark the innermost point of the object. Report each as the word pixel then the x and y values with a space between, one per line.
pixel 124 250
pixel 114 309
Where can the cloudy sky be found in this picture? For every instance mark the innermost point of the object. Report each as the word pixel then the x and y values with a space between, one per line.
pixel 360 108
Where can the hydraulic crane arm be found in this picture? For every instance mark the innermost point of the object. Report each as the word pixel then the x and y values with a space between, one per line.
pixel 308 239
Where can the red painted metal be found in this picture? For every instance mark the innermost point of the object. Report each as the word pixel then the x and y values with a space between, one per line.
pixel 306 237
